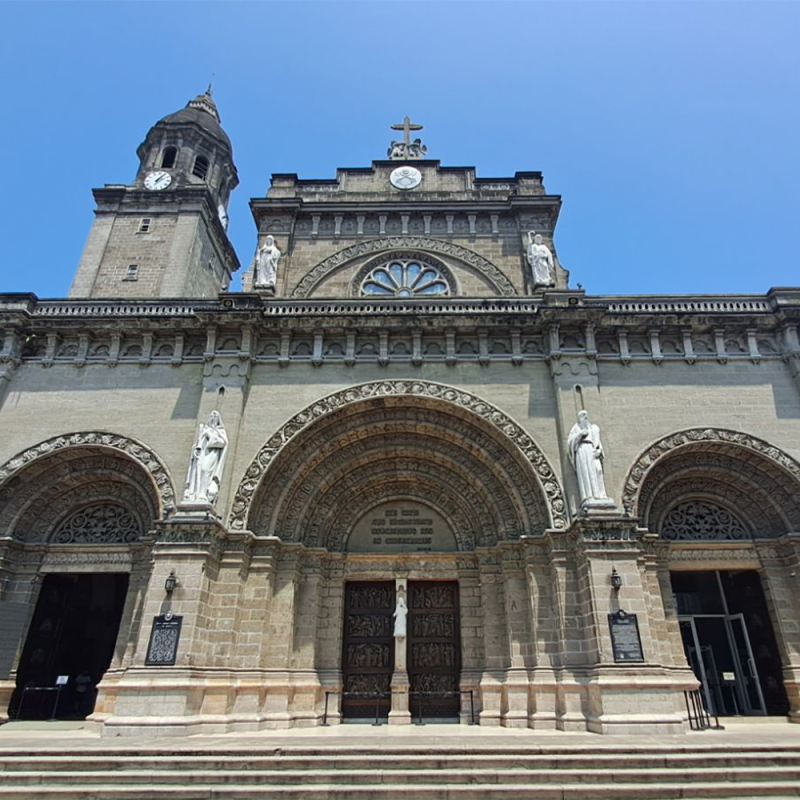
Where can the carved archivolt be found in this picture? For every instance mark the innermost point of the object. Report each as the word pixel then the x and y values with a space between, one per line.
pixel 504 433
pixel 489 271
pixel 97 440
pixel 757 477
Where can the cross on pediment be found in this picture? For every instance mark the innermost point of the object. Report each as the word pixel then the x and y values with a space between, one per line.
pixel 402 151
pixel 407 126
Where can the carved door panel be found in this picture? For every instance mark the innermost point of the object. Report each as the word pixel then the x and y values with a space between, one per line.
pixel 434 646
pixel 368 649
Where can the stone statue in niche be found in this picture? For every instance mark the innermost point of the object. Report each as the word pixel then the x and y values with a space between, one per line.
pixel 586 456
pixel 207 462
pixel 400 617
pixel 265 264
pixel 540 260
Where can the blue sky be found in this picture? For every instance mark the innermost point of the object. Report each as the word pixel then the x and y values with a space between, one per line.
pixel 670 129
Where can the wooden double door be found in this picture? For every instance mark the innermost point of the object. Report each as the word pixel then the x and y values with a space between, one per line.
pixel 433 646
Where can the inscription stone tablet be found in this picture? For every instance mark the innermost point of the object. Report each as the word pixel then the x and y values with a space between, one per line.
pixel 162 651
pixel 625 637
pixel 401 526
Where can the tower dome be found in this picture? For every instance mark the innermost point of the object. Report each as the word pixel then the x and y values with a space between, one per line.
pixel 202 111
pixel 191 145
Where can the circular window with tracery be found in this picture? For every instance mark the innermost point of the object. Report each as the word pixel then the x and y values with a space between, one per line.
pixel 405 278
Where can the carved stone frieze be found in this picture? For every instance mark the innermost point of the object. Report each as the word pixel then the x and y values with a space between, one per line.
pixel 714 554
pixel 488 270
pixel 500 423
pixel 55 561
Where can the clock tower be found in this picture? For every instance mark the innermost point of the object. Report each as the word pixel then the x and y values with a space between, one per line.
pixel 165 235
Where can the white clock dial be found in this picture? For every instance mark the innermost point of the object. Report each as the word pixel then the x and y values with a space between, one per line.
pixel 405 178
pixel 157 180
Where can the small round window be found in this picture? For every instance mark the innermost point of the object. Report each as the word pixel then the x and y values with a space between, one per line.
pixel 405 278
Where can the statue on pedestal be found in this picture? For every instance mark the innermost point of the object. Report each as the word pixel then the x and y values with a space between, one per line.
pixel 586 456
pixel 207 462
pixel 400 615
pixel 540 260
pixel 265 264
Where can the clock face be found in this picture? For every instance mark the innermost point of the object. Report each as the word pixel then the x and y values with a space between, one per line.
pixel 223 216
pixel 405 178
pixel 157 180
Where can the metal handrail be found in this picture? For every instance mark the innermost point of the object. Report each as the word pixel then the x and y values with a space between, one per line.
pixel 458 692
pixel 370 695
pixel 699 716
pixel 419 695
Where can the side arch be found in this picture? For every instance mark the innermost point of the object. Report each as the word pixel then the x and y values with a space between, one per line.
pixel 484 267
pixel 55 470
pixel 714 469
pixel 411 413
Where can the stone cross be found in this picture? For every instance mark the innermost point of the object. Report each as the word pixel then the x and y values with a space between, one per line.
pixel 407 126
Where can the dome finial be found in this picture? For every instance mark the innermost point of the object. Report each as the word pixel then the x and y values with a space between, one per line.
pixel 210 84
pixel 205 102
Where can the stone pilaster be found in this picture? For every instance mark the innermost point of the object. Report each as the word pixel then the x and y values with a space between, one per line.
pixel 169 696
pixel 629 697
pixel 495 639
pixel 781 583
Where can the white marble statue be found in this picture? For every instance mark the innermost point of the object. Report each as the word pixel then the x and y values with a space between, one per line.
pixel 586 456
pixel 207 462
pixel 400 615
pixel 540 260
pixel 265 264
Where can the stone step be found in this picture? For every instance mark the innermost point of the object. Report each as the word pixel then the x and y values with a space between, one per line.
pixel 386 774
pixel 336 762
pixel 339 791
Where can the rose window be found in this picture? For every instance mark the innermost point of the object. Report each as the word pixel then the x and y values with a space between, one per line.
pixel 405 278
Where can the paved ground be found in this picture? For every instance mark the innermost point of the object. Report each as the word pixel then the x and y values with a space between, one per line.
pixel 67 736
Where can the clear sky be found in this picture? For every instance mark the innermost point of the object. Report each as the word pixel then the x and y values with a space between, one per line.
pixel 670 129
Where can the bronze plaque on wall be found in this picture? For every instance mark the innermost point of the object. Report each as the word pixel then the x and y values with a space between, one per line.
pixel 625 637
pixel 162 651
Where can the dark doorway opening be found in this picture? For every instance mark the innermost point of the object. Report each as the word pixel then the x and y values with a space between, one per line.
pixel 368 649
pixel 69 645
pixel 729 641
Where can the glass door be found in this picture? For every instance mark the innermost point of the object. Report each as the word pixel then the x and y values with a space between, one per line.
pixel 747 674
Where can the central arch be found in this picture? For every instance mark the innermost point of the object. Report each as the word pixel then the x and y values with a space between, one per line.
pixel 355 449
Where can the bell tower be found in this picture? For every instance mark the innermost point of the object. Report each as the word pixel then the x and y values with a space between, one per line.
pixel 165 234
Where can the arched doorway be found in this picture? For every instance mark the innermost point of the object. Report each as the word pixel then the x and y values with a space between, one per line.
pixel 74 514
pixel 718 498
pixel 406 487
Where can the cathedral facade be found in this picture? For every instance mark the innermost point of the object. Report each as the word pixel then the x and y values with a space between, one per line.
pixel 408 470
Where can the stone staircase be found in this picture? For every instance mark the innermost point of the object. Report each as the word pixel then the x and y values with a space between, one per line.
pixel 334 771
